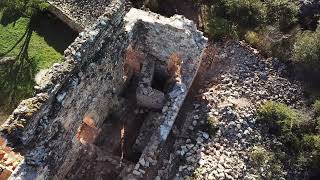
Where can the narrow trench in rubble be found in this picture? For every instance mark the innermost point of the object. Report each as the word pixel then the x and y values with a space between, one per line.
pixel 130 119
pixel 117 140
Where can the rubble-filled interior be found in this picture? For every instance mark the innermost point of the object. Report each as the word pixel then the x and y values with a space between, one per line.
pixel 119 143
pixel 127 130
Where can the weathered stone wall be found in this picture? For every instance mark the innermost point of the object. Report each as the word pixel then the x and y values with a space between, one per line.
pixel 45 128
pixel 78 14
pixel 65 18
pixel 162 37
pixel 86 84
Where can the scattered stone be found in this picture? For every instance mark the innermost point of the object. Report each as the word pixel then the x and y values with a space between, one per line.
pixel 249 82
pixel 205 135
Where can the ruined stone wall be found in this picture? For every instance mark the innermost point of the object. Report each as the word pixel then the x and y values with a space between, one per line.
pixel 78 14
pixel 44 127
pixel 80 93
pixel 163 37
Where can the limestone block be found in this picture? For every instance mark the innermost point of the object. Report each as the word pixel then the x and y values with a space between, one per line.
pixel 150 98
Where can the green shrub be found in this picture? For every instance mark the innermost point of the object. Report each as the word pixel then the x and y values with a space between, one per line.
pixel 260 155
pixel 317 124
pixel 276 170
pixel 212 123
pixel 311 144
pixel 279 118
pixel 258 40
pixel 247 13
pixel 316 107
pixel 302 160
pixel 292 141
pixel 288 124
pixel 271 42
pixel 282 48
pixel 283 12
pixel 219 28
pixel 307 47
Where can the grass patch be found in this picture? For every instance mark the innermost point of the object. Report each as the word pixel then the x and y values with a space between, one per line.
pixel 30 52
pixel 43 54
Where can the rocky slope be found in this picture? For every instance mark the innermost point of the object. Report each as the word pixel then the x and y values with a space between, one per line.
pixel 235 83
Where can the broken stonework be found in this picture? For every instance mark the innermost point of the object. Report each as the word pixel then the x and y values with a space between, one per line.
pixel 78 14
pixel 57 131
pixel 145 94
pixel 150 98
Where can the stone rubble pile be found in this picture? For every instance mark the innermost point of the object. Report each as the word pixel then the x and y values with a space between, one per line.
pixel 230 102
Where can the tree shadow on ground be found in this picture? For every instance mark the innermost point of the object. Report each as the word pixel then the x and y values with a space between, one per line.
pixel 16 77
pixel 17 73
pixel 9 16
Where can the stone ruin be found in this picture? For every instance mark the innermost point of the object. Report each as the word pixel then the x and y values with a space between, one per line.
pixel 78 14
pixel 107 110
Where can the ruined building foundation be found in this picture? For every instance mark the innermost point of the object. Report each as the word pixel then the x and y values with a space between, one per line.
pixel 107 110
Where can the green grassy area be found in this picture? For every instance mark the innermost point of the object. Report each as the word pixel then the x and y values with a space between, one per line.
pixel 17 80
pixel 44 55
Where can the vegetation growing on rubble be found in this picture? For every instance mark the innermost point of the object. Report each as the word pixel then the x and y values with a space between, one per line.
pixel 297 132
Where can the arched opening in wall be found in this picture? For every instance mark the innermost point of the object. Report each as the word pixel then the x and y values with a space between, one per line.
pixel 87 132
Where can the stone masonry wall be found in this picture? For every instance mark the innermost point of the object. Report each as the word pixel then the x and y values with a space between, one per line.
pixel 78 14
pixel 162 37
pixel 84 89
pixel 43 128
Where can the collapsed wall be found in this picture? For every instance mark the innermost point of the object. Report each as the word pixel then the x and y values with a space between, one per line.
pixel 92 113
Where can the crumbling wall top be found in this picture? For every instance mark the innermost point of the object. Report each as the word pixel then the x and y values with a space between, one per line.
pixel 79 53
pixel 82 12
pixel 166 36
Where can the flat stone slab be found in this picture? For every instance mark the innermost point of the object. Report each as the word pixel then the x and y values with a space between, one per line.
pixel 78 14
